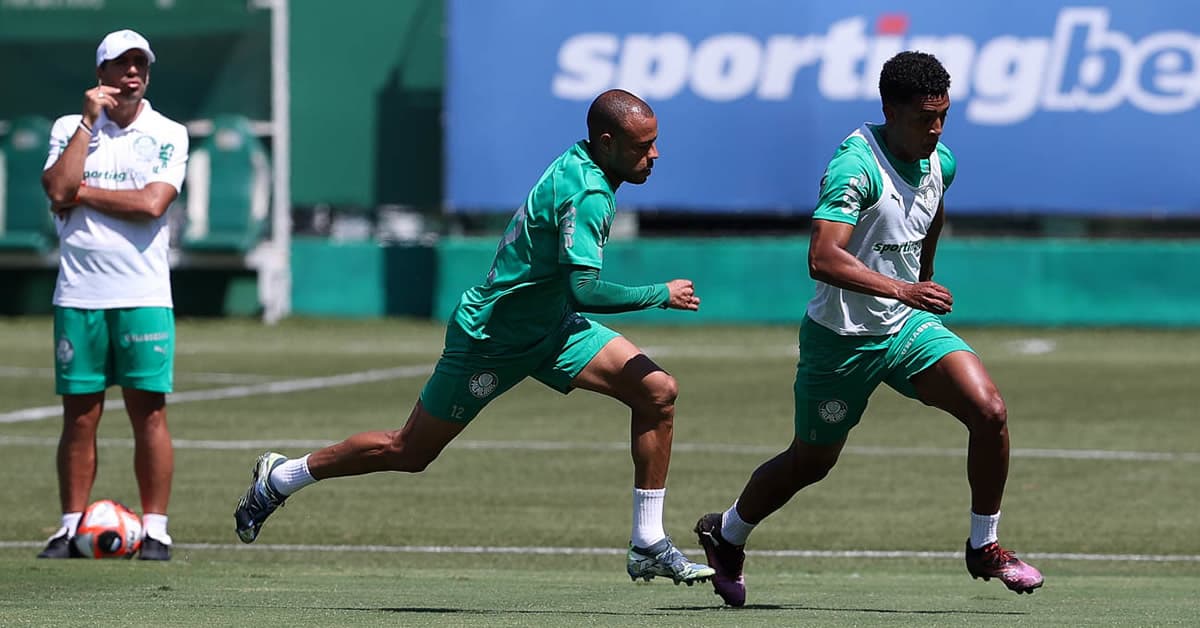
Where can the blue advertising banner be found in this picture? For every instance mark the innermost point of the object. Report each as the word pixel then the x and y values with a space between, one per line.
pixel 1056 107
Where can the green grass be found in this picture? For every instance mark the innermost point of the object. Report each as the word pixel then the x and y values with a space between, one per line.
pixel 227 589
pixel 1102 390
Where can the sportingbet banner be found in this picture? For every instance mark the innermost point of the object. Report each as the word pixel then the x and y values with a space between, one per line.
pixel 1079 108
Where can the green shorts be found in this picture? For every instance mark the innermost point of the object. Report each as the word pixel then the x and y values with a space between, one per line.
pixel 836 374
pixel 471 373
pixel 130 347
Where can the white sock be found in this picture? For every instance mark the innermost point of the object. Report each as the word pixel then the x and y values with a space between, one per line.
pixel 155 525
pixel 983 529
pixel 291 476
pixel 733 529
pixel 70 523
pixel 647 516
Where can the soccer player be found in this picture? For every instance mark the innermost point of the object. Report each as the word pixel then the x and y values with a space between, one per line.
pixel 874 318
pixel 524 320
pixel 111 174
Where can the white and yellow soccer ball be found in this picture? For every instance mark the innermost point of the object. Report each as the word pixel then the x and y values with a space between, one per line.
pixel 108 529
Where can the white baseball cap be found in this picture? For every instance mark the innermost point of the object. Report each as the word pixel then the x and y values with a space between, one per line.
pixel 117 43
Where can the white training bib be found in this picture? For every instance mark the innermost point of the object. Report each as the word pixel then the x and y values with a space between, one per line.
pixel 887 238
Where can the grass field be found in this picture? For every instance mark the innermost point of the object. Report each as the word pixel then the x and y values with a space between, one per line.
pixel 523 521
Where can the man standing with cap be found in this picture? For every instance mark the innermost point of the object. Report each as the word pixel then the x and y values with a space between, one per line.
pixel 111 174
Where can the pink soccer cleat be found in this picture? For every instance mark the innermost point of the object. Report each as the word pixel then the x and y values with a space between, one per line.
pixel 725 558
pixel 993 561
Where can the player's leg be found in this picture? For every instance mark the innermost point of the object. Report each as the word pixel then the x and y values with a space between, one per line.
pixel 462 384
pixel 81 360
pixel 275 477
pixel 153 455
pixel 77 455
pixel 959 385
pixel 621 371
pixel 776 481
pixel 143 341
pixel 834 379
pixel 409 449
pixel 941 370
pixel 76 462
pixel 723 535
pixel 593 357
pixel 154 467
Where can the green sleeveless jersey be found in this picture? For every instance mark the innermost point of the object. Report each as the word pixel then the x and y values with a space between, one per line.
pixel 564 222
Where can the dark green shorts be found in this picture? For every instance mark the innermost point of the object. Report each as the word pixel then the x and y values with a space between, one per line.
pixel 471 373
pixel 129 347
pixel 837 374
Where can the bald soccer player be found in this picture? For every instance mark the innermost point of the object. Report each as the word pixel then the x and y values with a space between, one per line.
pixel 524 320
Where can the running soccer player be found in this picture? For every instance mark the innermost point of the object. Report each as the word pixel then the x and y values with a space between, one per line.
pixel 874 319
pixel 524 320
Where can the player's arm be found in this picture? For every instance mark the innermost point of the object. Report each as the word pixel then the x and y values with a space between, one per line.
pixel 847 189
pixel 831 263
pixel 154 198
pixel 929 245
pixel 64 170
pixel 582 232
pixel 63 173
pixel 147 203
pixel 592 294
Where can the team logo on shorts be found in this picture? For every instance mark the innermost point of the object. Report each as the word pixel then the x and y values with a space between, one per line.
pixel 483 384
pixel 65 351
pixel 832 411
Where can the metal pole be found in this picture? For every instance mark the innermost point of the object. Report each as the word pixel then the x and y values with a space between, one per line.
pixel 280 279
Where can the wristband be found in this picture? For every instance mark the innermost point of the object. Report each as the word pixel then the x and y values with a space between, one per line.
pixel 83 125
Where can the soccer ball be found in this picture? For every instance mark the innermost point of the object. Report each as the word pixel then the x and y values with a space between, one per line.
pixel 108 530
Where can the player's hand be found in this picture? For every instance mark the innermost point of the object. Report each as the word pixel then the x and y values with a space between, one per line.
pixel 928 296
pixel 683 295
pixel 97 99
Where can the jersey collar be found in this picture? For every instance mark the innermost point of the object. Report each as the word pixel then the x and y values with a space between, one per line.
pixel 581 151
pixel 910 170
pixel 139 123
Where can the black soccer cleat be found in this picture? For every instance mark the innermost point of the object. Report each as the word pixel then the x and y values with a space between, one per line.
pixel 154 549
pixel 60 547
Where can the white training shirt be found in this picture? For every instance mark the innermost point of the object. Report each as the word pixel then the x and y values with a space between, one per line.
pixel 107 262
pixel 888 237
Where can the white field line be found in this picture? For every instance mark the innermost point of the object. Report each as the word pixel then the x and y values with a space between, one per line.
pixel 710 448
pixel 236 392
pixel 376 375
pixel 285 347
pixel 315 383
pixel 614 551
pixel 189 376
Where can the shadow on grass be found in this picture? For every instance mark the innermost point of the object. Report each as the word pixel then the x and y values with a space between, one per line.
pixel 492 611
pixel 836 609
pixel 664 611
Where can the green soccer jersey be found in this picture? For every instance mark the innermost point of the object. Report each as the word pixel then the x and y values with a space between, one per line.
pixel 564 222
pixel 892 205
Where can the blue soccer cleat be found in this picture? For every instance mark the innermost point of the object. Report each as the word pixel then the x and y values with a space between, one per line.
pixel 260 500
pixel 665 560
